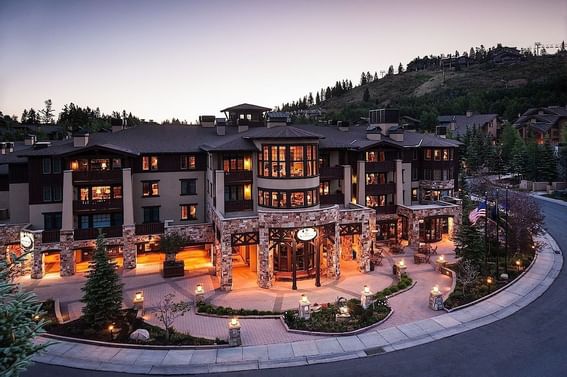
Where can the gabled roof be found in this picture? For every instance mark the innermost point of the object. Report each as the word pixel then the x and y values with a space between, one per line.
pixel 105 147
pixel 246 106
pixel 463 122
pixel 281 132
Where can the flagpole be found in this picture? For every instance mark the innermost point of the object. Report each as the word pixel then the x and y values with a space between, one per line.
pixel 486 232
pixel 497 250
pixel 506 245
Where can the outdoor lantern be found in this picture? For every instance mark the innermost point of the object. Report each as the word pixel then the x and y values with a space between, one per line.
pixel 304 307
pixel 436 299
pixel 435 290
pixel 518 264
pixel 489 280
pixel 110 328
pixel 139 296
pixel 234 338
pixel 344 310
pixel 402 263
pixel 36 317
pixel 234 322
pixel 199 289
pixel 366 297
pixel 441 258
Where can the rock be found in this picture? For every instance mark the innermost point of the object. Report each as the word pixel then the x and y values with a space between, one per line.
pixel 504 276
pixel 141 335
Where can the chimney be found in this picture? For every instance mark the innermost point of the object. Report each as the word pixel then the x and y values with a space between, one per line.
pixel 220 124
pixel 10 147
pixel 118 125
pixel 469 113
pixel 207 121
pixel 30 139
pixel 374 133
pixel 397 135
pixel 3 148
pixel 343 125
pixel 80 139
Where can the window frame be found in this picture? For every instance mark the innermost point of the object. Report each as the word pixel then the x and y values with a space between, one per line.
pixel 309 160
pixel 193 186
pixel 150 210
pixel 188 207
pixel 150 188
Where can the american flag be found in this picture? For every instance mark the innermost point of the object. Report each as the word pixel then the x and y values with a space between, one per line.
pixel 477 213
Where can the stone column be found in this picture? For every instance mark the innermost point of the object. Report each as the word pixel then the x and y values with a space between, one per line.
pixel 67 254
pixel 219 191
pixel 361 182
pixel 37 265
pixel 347 183
pixel 399 183
pixel 264 273
pixel 129 252
pixel 67 215
pixel 226 261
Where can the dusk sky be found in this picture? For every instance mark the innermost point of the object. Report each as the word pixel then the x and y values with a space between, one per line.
pixel 163 59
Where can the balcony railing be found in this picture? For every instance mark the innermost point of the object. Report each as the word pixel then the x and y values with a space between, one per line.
pixel 48 236
pixel 238 176
pixel 98 176
pixel 92 233
pixel 332 199
pixel 97 205
pixel 238 205
pixel 379 189
pixel 149 228
pixel 335 172
pixel 380 167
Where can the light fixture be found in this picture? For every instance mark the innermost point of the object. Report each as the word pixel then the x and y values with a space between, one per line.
pixel 366 289
pixel 199 289
pixel 344 310
pixel 103 165
pixel 139 296
pixel 489 280
pixel 402 263
pixel 304 299
pixel 234 322
pixel 110 328
pixel 435 290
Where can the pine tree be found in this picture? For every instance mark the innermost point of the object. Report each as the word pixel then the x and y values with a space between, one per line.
pixel 47 113
pixel 102 290
pixel 363 79
pixel 400 68
pixel 317 98
pixel 366 95
pixel 547 171
pixel 310 99
pixel 391 70
pixel 375 76
pixel 469 244
pixel 510 137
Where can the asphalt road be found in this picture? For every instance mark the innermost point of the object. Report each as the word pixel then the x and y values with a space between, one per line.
pixel 532 342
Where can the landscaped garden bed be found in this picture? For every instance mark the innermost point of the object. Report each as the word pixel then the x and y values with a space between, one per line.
pixel 325 320
pixel 222 311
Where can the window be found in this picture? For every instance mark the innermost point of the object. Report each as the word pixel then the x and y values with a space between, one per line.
pixel 414 154
pixel 46 166
pixel 233 162
pixel 324 160
pixel 414 195
pixel 57 193
pixel 100 164
pixel 288 161
pixel 52 221
pixel 437 174
pixel 375 178
pixel 375 156
pixel 288 199
pixel 100 193
pixel 188 162
pixel 376 200
pixel 47 193
pixel 188 187
pixel 234 192
pixel 150 188
pixel 149 163
pixel 427 155
pixel 117 192
pixel 414 174
pixel 151 214
pixel 437 154
pixel 116 163
pixel 324 188
pixel 101 221
pixel 188 212
pixel 427 174
pixel 56 166
pixel 445 155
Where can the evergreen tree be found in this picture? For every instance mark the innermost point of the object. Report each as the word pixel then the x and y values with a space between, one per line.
pixel 317 98
pixel 472 53
pixel 375 76
pixel 310 99
pixel 469 244
pixel 518 159
pixel 363 79
pixel 47 114
pixel 391 70
pixel 400 68
pixel 102 290
pixel 366 95
pixel 368 77
pixel 547 171
pixel 510 137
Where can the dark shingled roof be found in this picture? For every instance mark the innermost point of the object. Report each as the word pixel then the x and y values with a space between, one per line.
pixel 463 122
pixel 146 139
pixel 246 106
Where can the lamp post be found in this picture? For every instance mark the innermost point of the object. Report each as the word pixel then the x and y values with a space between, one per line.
pixel 199 293
pixel 489 282
pixel 110 329
pixel 518 264
pixel 304 307
pixel 234 337
pixel 436 299
pixel 366 297
pixel 402 268
pixel 440 263
pixel 139 301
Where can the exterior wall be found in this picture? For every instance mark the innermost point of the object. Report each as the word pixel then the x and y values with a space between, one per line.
pixel 288 184
pixel 5 199
pixel 37 211
pixel 19 199
pixel 170 197
pixel 406 183
pixel 414 214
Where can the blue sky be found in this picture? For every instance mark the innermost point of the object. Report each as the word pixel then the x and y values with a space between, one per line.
pixel 163 59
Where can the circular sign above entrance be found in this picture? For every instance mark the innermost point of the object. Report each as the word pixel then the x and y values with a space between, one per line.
pixel 306 234
pixel 26 241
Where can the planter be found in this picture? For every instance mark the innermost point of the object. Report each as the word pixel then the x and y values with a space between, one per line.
pixel 173 269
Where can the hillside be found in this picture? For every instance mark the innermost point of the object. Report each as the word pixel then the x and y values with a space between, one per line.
pixel 503 89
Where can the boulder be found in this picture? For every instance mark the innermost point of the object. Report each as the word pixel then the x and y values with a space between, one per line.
pixel 142 335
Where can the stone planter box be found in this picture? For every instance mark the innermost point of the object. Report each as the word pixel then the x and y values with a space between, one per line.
pixel 173 269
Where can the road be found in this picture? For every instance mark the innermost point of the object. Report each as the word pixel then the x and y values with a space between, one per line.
pixel 530 343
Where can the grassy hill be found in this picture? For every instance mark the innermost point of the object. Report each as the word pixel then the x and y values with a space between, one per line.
pixel 504 89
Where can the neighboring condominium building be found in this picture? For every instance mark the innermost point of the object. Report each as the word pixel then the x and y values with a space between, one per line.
pixel 282 197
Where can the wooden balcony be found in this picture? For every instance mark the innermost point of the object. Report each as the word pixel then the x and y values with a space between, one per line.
pixel 98 176
pixel 332 199
pixel 380 167
pixel 92 233
pixel 238 205
pixel 48 236
pixel 149 228
pixel 381 189
pixel 85 206
pixel 335 172
pixel 237 176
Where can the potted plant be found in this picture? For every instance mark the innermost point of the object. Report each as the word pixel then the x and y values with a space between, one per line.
pixel 171 244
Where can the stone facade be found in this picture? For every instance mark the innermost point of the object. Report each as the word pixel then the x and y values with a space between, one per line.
pixel 437 185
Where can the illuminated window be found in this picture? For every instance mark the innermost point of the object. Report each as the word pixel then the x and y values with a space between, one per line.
pixel 288 161
pixel 375 156
pixel 188 212
pixel 100 164
pixel 427 155
pixel 324 188
pixel 150 188
pixel 100 193
pixel 149 163
pixel 188 162
pixel 437 154
pixel 376 200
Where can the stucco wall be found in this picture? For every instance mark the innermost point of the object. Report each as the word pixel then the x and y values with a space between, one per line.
pixel 37 210
pixel 19 199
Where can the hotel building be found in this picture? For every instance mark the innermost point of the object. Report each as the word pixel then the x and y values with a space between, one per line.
pixel 285 199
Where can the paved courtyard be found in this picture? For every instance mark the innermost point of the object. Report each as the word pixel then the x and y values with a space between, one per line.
pixel 408 307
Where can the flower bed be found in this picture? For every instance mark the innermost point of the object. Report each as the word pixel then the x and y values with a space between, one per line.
pixel 122 329
pixel 221 311
pixel 325 320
